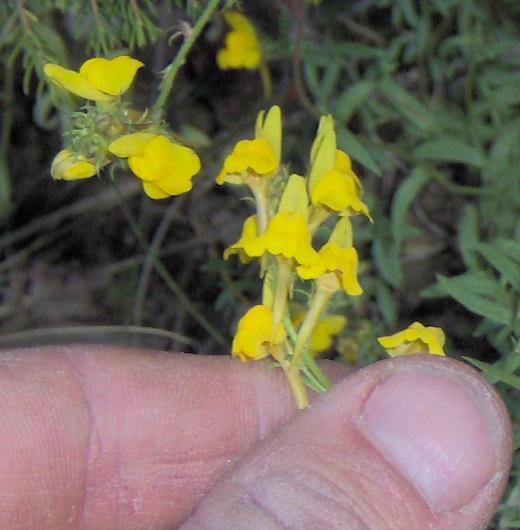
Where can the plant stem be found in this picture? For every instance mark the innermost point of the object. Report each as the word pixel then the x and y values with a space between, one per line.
pixel 318 304
pixel 283 282
pixel 172 69
pixel 262 217
pixel 265 76
pixel 293 377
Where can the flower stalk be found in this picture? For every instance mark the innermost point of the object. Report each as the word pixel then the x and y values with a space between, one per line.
pixel 284 280
pixel 172 69
pixel 318 305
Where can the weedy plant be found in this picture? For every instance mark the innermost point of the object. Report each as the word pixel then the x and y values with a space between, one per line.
pixel 423 96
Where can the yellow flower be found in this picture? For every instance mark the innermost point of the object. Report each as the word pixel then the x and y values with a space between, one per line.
pixel 68 166
pixel 332 182
pixel 258 157
pixel 414 339
pixel 130 144
pixel 339 257
pixel 165 168
pixel 287 233
pixel 249 233
pixel 98 79
pixel 242 48
pixel 325 330
pixel 255 334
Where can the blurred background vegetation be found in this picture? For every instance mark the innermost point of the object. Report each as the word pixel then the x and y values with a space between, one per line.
pixel 426 99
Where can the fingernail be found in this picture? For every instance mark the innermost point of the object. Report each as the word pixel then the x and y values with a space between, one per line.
pixel 433 430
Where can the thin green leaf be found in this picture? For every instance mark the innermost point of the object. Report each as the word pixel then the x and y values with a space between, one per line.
pixel 350 100
pixel 450 149
pixel 507 268
pixel 402 200
pixel 485 307
pixel 386 304
pixel 387 261
pixel 407 105
pixel 494 374
pixel 468 235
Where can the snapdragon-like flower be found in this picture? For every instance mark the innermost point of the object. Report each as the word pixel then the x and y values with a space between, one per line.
pixel 249 233
pixel 325 330
pixel 287 233
pixel 242 48
pixel 68 166
pixel 255 334
pixel 259 157
pixel 332 182
pixel 165 168
pixel 416 338
pixel 98 79
pixel 337 257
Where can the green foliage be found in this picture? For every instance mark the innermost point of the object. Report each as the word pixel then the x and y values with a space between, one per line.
pixel 427 105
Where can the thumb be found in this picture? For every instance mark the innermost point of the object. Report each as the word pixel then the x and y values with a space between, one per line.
pixel 416 442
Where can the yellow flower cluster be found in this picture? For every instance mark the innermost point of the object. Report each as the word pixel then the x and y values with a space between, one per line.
pixel 282 236
pixel 164 168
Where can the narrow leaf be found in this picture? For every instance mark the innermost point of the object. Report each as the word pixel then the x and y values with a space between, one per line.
pixel 450 149
pixel 402 200
pixel 476 303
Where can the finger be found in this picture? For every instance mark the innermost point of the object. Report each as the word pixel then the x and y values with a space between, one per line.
pixel 99 437
pixel 416 442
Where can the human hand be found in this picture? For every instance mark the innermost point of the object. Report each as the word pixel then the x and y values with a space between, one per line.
pixel 105 438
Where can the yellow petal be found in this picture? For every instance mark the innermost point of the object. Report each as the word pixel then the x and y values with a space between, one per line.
pixel 254 334
pixel 311 272
pixel 270 129
pixel 417 338
pixel 153 191
pixel 338 191
pixel 344 165
pixel 74 83
pixel 324 331
pixel 238 22
pixel 242 50
pixel 342 233
pixel 67 166
pixel 112 76
pixel 249 232
pixel 294 197
pixel 342 162
pixel 341 261
pixel 254 156
pixel 323 150
pixel 130 144
pixel 165 167
pixel 287 235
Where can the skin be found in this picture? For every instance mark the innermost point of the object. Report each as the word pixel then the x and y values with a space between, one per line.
pixel 99 437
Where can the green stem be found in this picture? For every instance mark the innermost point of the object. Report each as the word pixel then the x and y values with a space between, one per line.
pixel 293 378
pixel 166 276
pixel 313 368
pixel 172 69
pixel 283 283
pixel 262 217
pixel 267 83
pixel 319 303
